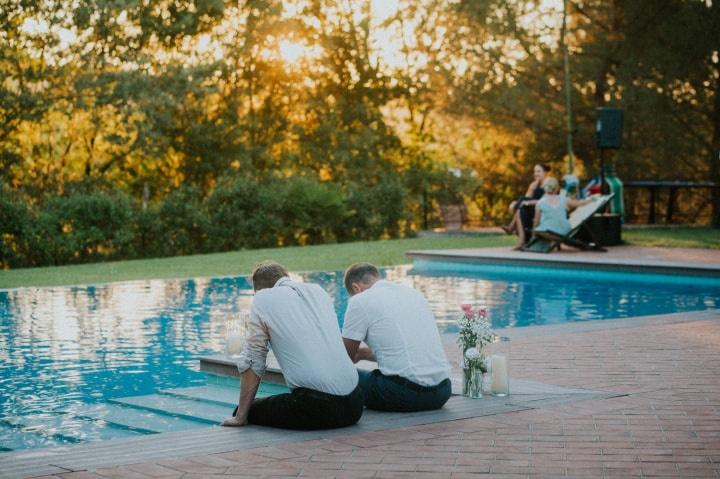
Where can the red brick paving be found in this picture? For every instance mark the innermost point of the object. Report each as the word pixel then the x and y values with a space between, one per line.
pixel 667 425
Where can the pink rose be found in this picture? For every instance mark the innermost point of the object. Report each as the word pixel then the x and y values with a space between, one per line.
pixel 482 312
pixel 468 310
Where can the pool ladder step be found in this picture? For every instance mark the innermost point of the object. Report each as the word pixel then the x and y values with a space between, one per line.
pixel 142 420
pixel 56 429
pixel 188 409
pixel 168 411
pixel 17 437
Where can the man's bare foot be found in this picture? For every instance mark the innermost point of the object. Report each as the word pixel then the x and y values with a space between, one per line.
pixel 233 422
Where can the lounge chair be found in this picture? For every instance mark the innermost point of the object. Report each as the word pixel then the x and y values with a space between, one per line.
pixel 546 241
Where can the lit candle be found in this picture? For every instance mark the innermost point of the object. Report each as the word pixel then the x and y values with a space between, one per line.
pixel 500 386
pixel 235 343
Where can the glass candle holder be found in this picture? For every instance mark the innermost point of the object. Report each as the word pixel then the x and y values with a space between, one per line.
pixel 236 335
pixel 500 367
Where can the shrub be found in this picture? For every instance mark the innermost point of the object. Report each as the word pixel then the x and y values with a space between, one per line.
pixel 16 223
pixel 243 214
pixel 177 226
pixel 311 210
pixel 373 212
pixel 82 227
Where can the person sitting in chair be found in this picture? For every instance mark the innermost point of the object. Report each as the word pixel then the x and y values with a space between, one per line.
pixel 298 320
pixel 523 208
pixel 551 211
pixel 398 325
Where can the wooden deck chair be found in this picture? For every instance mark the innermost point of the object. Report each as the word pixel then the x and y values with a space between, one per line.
pixel 546 241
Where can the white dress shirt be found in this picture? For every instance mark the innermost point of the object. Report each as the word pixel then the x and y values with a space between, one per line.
pixel 398 325
pixel 298 320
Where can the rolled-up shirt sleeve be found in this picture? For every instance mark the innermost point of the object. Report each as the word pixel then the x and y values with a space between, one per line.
pixel 254 356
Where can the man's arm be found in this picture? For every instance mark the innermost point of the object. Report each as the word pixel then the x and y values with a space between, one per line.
pixel 249 383
pixel 356 352
pixel 251 366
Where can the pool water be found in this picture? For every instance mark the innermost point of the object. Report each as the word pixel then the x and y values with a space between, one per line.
pixel 65 347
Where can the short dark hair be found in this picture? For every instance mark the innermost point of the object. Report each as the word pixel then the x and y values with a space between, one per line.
pixel 359 273
pixel 266 274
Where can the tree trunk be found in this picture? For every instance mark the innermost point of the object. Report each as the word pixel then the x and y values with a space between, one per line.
pixel 715 155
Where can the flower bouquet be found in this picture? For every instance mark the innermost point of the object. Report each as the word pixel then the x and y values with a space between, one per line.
pixel 475 333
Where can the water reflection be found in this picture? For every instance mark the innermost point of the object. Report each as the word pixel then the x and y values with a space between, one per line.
pixel 63 347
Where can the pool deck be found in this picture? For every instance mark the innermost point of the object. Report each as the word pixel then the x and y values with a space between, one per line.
pixel 636 397
pixel 686 261
pixel 662 419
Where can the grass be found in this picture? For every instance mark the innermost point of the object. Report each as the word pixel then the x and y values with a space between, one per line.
pixel 329 257
pixel 671 237
pixel 311 258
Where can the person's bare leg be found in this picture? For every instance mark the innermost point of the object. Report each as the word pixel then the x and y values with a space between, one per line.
pixel 521 235
pixel 510 228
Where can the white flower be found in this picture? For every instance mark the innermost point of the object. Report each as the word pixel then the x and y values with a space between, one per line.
pixel 472 353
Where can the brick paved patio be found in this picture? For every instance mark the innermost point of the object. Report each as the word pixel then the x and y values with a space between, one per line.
pixel 666 425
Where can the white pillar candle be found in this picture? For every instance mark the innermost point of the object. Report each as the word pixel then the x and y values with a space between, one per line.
pixel 500 385
pixel 235 343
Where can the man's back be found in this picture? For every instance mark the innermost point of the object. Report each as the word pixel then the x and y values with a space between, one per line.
pixel 305 336
pixel 399 327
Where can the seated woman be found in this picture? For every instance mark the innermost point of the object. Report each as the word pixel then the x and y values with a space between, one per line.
pixel 524 207
pixel 551 212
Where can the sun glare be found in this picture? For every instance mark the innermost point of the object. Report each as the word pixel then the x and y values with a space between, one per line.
pixel 292 52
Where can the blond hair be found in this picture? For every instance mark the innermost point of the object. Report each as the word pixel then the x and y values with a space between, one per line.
pixel 551 185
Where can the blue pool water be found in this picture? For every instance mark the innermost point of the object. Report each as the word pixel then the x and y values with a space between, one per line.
pixel 65 347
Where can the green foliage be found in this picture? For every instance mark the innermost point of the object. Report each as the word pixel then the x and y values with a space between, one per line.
pixel 17 221
pixel 243 213
pixel 376 211
pixel 82 227
pixel 311 210
pixel 240 147
pixel 180 224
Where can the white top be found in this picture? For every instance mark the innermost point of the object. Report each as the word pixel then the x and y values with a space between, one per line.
pixel 298 320
pixel 398 325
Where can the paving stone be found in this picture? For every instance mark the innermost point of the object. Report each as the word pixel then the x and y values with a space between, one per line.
pixel 666 424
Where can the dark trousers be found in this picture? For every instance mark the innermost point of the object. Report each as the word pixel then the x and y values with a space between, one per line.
pixel 394 393
pixel 527 216
pixel 307 409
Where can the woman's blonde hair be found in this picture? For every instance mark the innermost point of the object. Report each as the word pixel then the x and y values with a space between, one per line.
pixel 551 185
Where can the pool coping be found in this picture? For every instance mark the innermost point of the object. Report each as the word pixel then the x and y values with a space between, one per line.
pixel 505 256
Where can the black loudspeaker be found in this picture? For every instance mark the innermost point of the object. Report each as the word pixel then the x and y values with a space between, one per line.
pixel 609 127
pixel 606 230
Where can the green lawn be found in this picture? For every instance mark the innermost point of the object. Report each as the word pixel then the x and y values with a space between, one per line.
pixel 308 258
pixel 673 237
pixel 311 258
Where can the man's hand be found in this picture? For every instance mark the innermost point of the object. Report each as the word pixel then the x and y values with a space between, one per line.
pixel 234 422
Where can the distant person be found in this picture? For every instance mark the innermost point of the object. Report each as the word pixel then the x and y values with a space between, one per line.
pixel 397 324
pixel 523 208
pixel 298 320
pixel 551 211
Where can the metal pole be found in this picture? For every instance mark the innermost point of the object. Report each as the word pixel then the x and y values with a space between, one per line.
pixel 568 96
pixel 603 190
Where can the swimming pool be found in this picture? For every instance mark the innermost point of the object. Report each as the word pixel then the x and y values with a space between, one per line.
pixel 64 348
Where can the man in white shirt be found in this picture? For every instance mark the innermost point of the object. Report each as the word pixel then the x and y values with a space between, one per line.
pixel 399 328
pixel 298 321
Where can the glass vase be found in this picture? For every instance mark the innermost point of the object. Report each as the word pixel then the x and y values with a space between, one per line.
pixel 467 378
pixel 475 383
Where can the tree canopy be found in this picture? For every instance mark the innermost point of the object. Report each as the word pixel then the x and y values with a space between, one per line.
pixel 394 107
